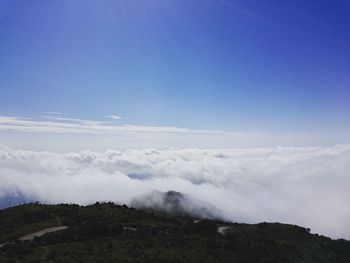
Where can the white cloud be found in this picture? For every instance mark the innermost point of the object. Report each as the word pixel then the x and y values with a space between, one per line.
pixel 53 113
pixel 71 125
pixel 75 120
pixel 308 186
pixel 53 132
pixel 115 117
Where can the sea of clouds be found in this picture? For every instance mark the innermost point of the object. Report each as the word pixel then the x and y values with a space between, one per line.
pixel 308 186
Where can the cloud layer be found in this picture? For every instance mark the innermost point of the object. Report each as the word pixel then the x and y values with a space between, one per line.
pixel 305 186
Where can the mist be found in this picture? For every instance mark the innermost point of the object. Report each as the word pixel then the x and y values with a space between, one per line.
pixel 308 186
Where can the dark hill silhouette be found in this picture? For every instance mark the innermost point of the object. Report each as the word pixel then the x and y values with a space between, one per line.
pixel 105 232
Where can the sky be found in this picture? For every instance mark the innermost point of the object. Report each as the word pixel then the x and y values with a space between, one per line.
pixel 214 64
pixel 243 105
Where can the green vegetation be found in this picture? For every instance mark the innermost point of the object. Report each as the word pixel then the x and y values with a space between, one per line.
pixel 112 233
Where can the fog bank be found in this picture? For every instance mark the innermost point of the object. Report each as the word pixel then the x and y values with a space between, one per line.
pixel 305 186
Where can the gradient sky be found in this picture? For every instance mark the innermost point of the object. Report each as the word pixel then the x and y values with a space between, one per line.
pixel 274 66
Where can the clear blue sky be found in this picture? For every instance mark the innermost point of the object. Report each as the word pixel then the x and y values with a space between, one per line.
pixel 208 64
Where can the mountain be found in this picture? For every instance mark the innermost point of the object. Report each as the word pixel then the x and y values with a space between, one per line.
pixel 176 203
pixel 105 232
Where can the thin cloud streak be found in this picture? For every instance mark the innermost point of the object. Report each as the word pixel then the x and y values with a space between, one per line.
pixel 115 117
pixel 53 113
pixel 70 125
pixel 74 133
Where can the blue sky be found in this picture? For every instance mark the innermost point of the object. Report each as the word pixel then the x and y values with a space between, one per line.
pixel 267 66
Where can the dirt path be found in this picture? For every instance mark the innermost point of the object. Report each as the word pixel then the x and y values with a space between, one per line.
pixel 42 232
pixel 1 245
pixel 38 233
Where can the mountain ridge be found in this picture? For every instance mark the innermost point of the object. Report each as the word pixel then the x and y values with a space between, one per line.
pixel 106 232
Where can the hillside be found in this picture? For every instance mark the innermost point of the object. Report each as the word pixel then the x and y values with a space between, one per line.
pixel 111 233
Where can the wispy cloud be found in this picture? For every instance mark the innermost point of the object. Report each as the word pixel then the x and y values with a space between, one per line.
pixel 66 132
pixel 53 113
pixel 72 125
pixel 74 120
pixel 115 117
